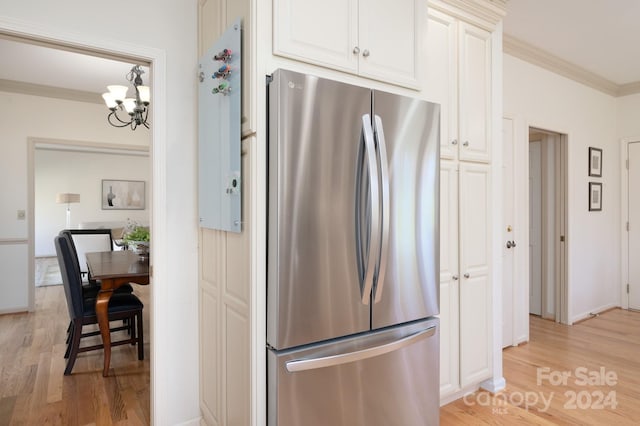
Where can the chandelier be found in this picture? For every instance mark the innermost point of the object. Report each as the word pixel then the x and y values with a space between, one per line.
pixel 137 108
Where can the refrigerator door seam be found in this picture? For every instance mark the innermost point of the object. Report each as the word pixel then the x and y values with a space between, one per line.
pixel 333 360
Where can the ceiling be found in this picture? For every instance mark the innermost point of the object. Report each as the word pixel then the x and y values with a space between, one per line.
pixel 598 36
pixel 40 65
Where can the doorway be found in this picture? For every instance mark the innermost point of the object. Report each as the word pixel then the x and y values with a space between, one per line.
pixel 547 224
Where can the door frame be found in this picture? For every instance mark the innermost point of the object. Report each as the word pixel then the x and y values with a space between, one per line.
pixel 156 58
pixel 521 181
pixel 624 217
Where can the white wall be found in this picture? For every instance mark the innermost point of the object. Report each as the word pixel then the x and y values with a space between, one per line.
pixel 166 31
pixel 628 112
pixel 81 173
pixel 548 101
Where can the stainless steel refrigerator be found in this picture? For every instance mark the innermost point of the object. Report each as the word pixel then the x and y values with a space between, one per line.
pixel 353 264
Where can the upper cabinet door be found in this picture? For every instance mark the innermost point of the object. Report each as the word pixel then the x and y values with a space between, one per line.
pixel 475 93
pixel 323 32
pixel 388 40
pixel 371 38
pixel 441 77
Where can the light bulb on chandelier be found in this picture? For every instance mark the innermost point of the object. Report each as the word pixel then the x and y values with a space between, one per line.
pixel 137 108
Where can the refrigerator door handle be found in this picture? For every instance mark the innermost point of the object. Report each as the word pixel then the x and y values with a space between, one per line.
pixel 334 360
pixel 374 244
pixel 384 245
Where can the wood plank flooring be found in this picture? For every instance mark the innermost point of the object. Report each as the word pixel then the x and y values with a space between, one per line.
pixel 600 360
pixel 33 389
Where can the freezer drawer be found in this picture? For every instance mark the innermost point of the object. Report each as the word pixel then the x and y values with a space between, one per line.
pixel 389 377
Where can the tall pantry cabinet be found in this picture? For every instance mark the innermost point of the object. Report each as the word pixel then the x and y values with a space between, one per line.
pixel 459 77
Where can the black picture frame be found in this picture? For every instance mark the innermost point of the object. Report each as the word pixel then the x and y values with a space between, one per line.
pixel 595 196
pixel 595 162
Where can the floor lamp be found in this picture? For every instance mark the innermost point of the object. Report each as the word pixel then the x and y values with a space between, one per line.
pixel 67 198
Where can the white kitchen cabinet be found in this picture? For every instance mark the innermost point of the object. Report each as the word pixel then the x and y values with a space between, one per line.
pixel 465 275
pixel 458 77
pixel 371 38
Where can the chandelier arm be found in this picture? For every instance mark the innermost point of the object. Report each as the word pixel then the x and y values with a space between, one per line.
pixel 126 123
pixel 113 114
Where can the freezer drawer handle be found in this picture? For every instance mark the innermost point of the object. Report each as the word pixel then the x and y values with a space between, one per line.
pixel 333 360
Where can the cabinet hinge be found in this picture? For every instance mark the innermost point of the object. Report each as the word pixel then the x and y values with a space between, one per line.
pixel 627 288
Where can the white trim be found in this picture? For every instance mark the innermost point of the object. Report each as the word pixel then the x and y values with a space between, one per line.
pixel 160 296
pixel 33 89
pixel 494 385
pixel 12 241
pixel 529 53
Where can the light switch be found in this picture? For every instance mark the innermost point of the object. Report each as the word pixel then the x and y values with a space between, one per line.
pixel 21 214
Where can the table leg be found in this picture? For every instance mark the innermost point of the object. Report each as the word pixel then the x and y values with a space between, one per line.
pixel 102 312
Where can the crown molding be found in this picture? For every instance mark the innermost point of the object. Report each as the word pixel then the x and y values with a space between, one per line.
pixel 21 87
pixel 486 13
pixel 529 53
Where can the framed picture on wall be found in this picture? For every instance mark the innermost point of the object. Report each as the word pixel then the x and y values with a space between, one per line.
pixel 595 196
pixel 123 195
pixel 595 162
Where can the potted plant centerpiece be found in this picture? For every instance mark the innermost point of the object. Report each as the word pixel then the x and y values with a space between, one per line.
pixel 137 238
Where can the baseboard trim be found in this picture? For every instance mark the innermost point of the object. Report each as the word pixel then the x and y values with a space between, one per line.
pixel 494 385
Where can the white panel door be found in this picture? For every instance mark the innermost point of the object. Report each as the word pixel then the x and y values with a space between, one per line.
pixel 475 281
pixel 475 92
pixel 449 279
pixel 535 228
pixel 634 225
pixel 321 32
pixel 441 77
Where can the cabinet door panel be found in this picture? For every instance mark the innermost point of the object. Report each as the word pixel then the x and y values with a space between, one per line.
pixel 475 217
pixel 441 77
pixel 448 220
pixel 323 33
pixel 388 40
pixel 449 337
pixel 475 281
pixel 475 93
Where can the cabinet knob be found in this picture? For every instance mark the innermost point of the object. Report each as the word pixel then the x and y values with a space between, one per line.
pixel 356 50
pixel 454 278
pixel 466 275
pixel 465 143
pixel 454 142
pixel 365 53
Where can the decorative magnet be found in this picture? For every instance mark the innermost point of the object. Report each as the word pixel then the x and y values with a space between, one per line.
pixel 223 72
pixel 223 88
pixel 223 56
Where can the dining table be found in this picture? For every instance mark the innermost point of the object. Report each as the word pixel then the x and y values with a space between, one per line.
pixel 113 269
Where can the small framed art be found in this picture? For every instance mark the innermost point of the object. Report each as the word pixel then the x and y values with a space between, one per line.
pixel 595 196
pixel 595 162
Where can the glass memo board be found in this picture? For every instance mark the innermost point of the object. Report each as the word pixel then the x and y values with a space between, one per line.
pixel 219 133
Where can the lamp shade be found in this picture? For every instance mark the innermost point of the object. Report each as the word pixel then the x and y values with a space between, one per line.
pixel 66 198
pixel 118 92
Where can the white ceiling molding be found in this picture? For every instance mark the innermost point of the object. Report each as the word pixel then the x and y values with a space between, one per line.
pixel 485 12
pixel 49 91
pixel 90 147
pixel 525 51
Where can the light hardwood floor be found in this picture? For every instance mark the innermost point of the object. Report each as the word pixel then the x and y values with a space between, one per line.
pixel 33 389
pixel 600 360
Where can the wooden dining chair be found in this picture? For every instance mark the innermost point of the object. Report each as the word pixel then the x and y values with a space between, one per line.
pixel 82 312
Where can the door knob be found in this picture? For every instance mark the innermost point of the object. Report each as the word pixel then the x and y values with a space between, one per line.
pixel 454 278
pixel 365 53
pixel 356 50
pixel 511 244
pixel 465 143
pixel 466 275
